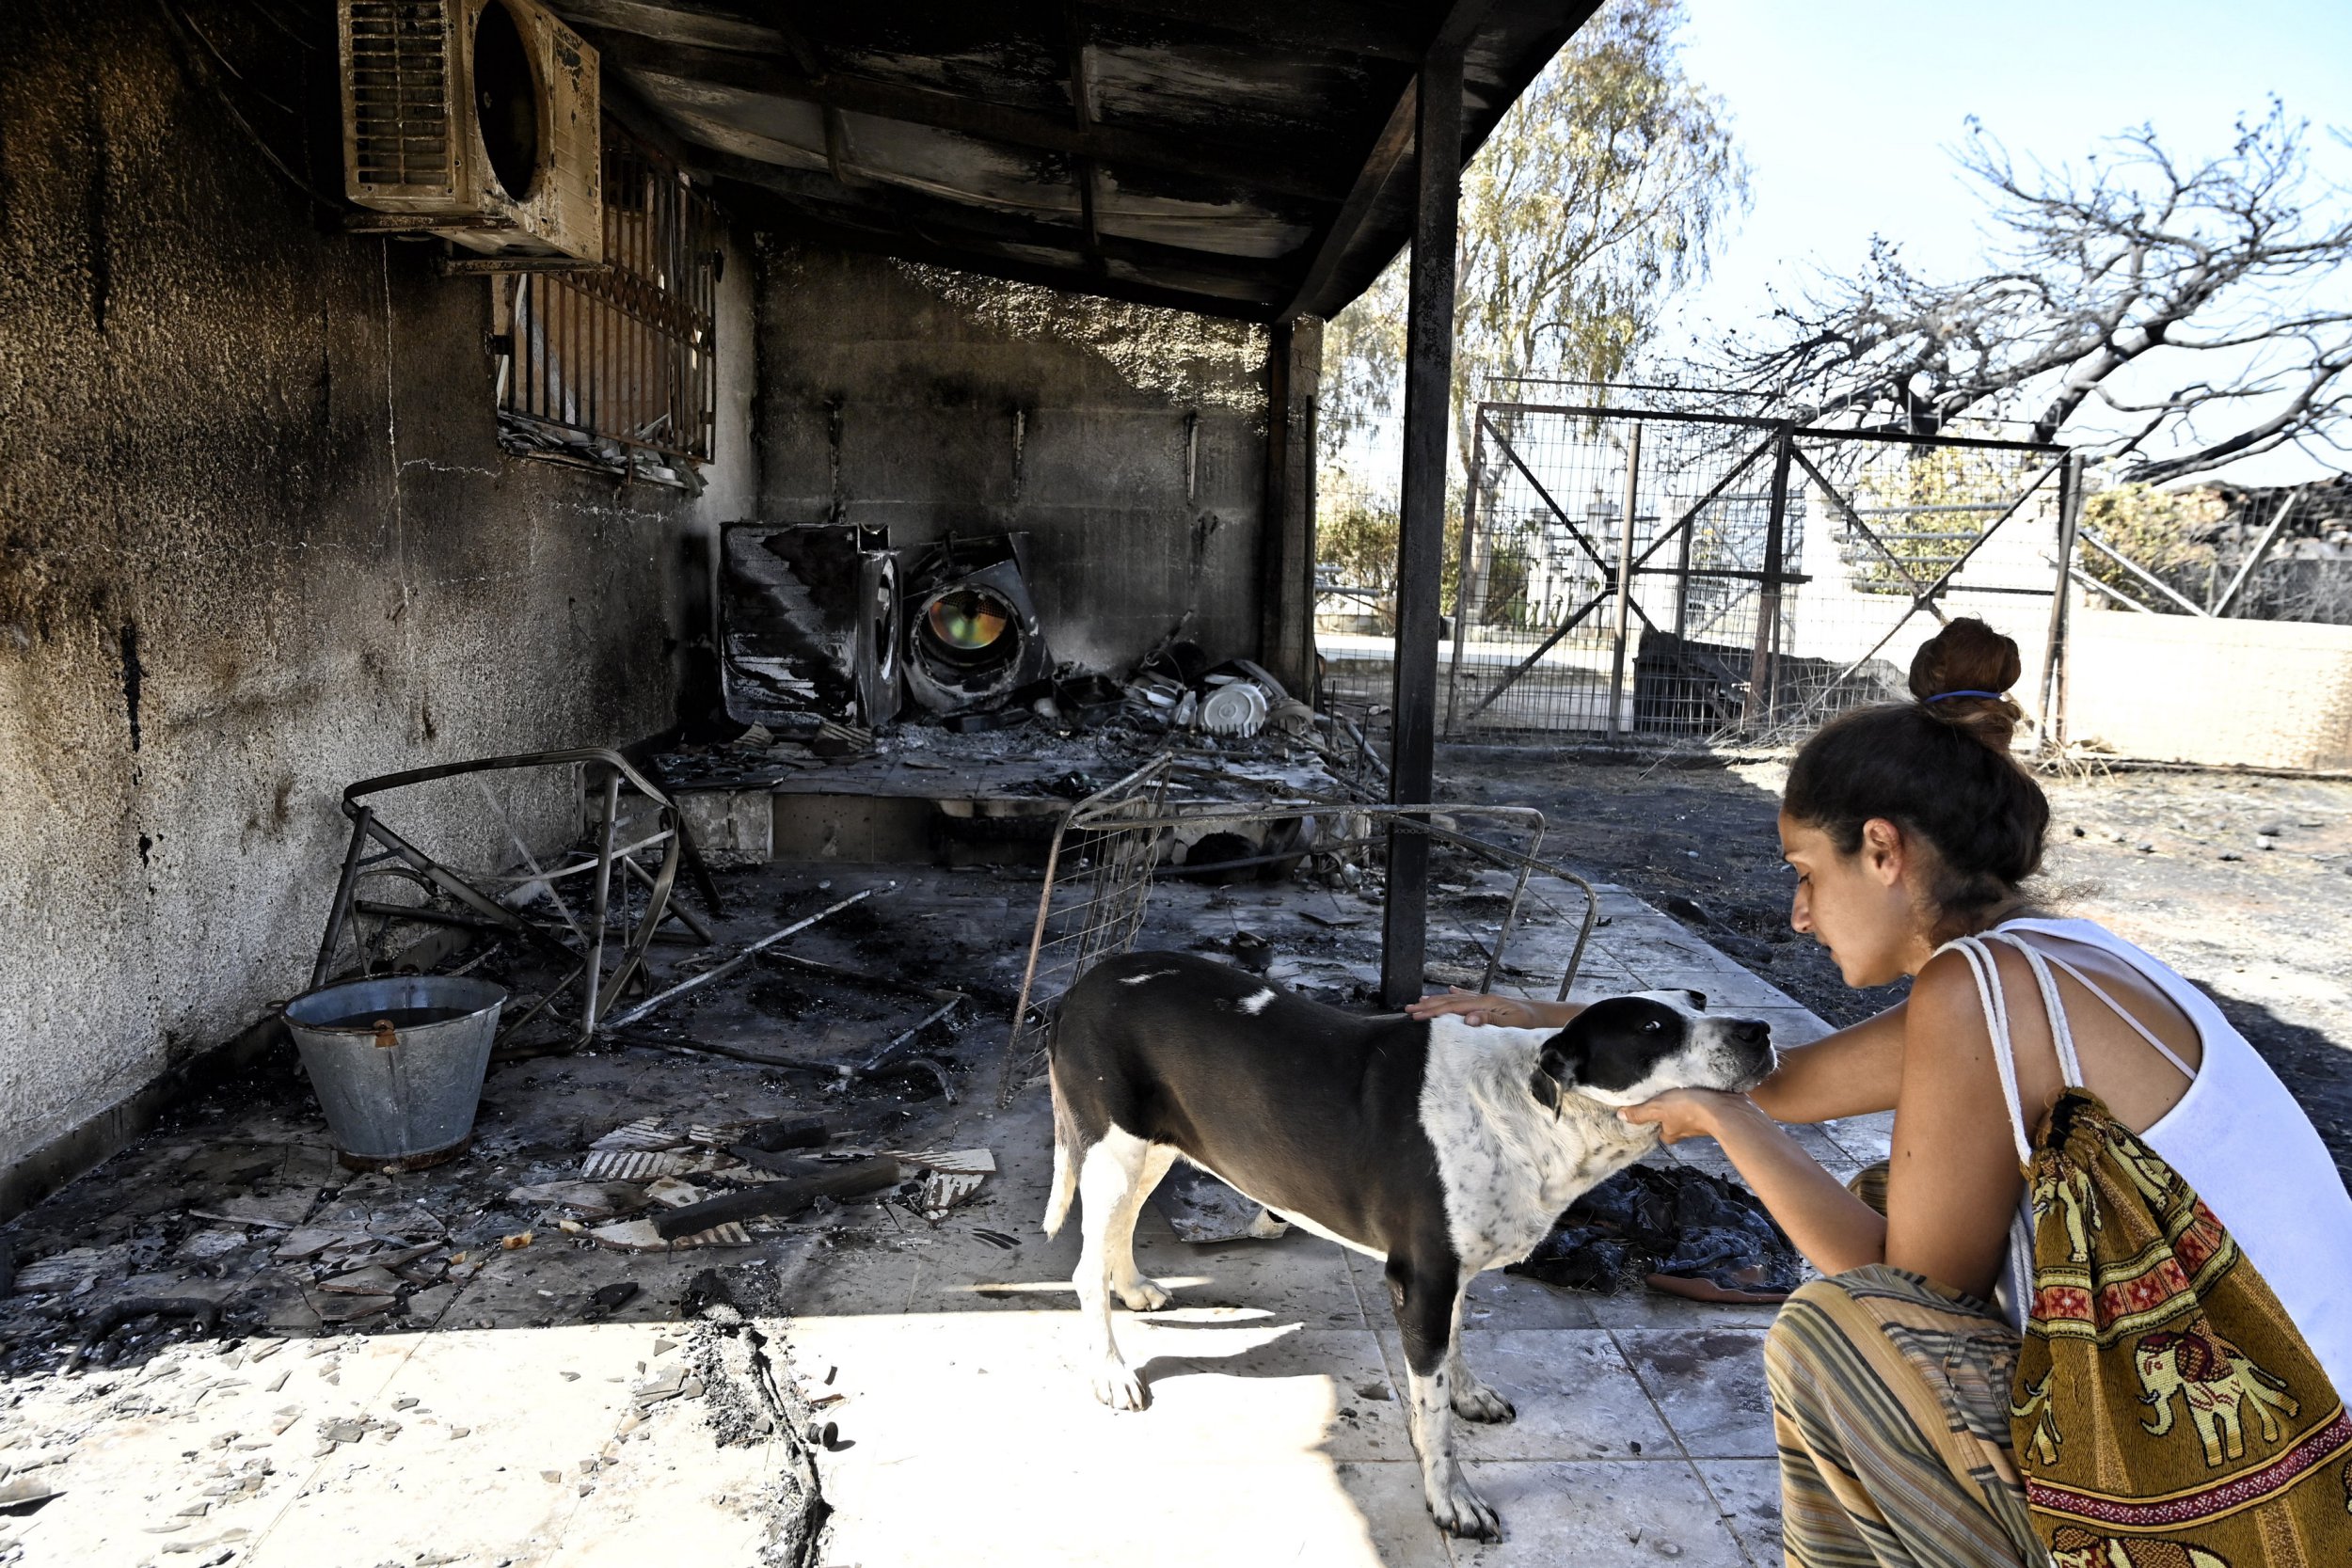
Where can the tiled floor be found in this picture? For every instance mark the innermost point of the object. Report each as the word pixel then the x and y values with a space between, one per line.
pixel 506 1427
pixel 1275 1431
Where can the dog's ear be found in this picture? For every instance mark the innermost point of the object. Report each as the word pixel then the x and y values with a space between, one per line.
pixel 1559 1067
pixel 1698 998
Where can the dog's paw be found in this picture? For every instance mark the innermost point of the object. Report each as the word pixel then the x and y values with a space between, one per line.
pixel 1117 1385
pixel 1462 1513
pixel 1475 1402
pixel 1140 1295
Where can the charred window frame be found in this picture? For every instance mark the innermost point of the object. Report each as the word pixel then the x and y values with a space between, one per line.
pixel 616 366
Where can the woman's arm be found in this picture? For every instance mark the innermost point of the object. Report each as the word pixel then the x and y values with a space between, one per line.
pixel 1953 1181
pixel 1850 1074
pixel 1835 1229
pixel 1503 1012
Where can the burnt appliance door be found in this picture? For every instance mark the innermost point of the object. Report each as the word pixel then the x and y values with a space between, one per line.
pixel 880 636
pixel 972 637
pixel 808 624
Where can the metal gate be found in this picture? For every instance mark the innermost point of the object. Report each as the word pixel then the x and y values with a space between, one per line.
pixel 1650 575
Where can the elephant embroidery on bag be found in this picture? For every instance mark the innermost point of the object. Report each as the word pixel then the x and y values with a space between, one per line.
pixel 2075 1548
pixel 2043 1443
pixel 2070 1188
pixel 2214 1379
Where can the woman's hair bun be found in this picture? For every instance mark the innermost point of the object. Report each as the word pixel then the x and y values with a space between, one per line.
pixel 1969 656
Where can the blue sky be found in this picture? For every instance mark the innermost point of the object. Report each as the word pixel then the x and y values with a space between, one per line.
pixel 1846 111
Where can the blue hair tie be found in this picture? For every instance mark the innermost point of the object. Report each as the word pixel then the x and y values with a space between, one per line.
pixel 1947 696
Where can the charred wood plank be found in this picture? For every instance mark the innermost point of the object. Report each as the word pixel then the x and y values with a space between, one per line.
pixel 779 1198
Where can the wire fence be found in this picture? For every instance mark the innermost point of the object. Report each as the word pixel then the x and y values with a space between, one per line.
pixel 1676 574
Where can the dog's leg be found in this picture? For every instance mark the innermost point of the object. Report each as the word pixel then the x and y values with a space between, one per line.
pixel 1135 1291
pixel 1427 1299
pixel 1069 1146
pixel 1107 1180
pixel 1473 1400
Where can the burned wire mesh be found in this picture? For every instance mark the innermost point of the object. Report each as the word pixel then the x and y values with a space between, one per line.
pixel 1101 866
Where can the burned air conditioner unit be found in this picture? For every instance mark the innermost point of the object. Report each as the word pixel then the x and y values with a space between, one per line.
pixel 972 637
pixel 809 622
pixel 476 120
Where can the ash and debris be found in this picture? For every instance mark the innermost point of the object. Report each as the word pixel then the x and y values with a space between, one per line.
pixel 1673 1229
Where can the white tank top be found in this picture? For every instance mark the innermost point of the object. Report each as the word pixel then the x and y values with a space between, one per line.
pixel 2236 1135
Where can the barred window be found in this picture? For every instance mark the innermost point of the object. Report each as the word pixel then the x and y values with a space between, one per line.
pixel 614 366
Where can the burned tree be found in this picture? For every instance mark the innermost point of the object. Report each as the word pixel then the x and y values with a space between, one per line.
pixel 2169 317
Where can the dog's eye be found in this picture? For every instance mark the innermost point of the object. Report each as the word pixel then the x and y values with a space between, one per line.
pixel 1652 1026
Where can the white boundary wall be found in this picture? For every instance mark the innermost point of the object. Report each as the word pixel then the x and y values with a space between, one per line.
pixel 2227 693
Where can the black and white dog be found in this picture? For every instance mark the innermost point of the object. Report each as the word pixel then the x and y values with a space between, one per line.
pixel 1439 1147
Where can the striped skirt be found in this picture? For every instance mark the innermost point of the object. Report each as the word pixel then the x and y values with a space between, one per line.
pixel 1890 1409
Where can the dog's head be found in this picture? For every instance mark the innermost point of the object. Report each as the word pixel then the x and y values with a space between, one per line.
pixel 1627 1049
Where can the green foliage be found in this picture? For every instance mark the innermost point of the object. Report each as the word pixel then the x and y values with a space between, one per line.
pixel 2157 530
pixel 1357 534
pixel 1603 190
pixel 1920 544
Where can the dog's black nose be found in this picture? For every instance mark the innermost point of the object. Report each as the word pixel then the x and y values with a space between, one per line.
pixel 1752 1031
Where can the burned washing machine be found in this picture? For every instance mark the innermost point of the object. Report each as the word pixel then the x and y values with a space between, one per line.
pixel 808 618
pixel 971 638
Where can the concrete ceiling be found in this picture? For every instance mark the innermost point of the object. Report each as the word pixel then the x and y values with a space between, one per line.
pixel 1236 158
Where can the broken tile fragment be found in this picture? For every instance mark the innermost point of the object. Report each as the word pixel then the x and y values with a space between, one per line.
pixel 591 1200
pixel 646 1132
pixel 640 1236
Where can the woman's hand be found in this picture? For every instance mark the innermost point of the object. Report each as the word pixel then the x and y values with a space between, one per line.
pixel 1503 1012
pixel 1680 1114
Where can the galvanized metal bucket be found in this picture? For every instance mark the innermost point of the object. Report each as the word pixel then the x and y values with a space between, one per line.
pixel 397 1064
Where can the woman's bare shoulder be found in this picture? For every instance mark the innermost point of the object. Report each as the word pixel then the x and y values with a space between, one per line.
pixel 1944 997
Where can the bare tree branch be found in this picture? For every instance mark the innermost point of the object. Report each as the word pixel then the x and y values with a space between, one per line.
pixel 2102 278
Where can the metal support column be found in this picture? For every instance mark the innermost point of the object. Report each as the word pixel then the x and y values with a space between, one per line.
pixel 2053 664
pixel 1428 402
pixel 1617 725
pixel 1767 601
pixel 1274 547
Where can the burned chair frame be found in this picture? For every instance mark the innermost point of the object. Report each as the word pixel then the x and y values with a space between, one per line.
pixel 460 903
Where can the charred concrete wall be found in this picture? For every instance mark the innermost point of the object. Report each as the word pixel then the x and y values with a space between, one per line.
pixel 256 539
pixel 1129 442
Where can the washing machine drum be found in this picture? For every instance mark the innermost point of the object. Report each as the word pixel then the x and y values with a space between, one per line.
pixel 968 626
pixel 973 641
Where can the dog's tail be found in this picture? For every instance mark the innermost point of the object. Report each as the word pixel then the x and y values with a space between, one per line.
pixel 1068 1151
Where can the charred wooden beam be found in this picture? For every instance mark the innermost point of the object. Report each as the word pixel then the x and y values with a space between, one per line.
pixel 1082 112
pixel 765 210
pixel 875 202
pixel 1389 152
pixel 781 77
pixel 1328 28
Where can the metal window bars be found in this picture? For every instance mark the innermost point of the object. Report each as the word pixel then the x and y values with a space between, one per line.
pixel 1101 864
pixel 618 364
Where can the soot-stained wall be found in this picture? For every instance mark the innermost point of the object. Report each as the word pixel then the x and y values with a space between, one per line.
pixel 1129 442
pixel 256 539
